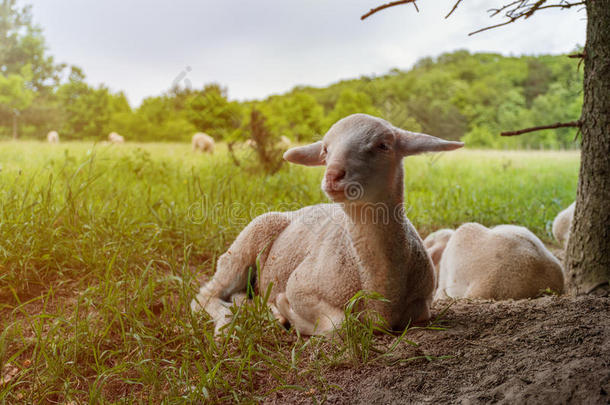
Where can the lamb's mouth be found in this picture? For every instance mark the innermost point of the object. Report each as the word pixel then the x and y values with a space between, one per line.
pixel 346 191
pixel 335 194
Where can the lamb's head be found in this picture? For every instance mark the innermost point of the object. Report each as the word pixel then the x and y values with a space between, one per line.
pixel 363 157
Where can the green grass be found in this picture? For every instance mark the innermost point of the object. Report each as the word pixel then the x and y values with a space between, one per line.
pixel 101 248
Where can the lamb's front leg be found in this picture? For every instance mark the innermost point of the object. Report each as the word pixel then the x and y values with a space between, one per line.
pixel 230 281
pixel 308 309
pixel 321 318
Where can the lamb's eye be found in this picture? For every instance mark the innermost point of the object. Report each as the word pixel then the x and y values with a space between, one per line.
pixel 324 150
pixel 383 146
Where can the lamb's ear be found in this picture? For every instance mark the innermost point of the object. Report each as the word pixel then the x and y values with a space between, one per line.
pixel 310 155
pixel 412 143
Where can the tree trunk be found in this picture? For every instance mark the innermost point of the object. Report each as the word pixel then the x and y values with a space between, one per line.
pixel 15 124
pixel 588 251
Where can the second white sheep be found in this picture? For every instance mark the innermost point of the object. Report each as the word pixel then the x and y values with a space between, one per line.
pixel 202 143
pixel 503 262
pixel 53 137
pixel 113 137
pixel 562 224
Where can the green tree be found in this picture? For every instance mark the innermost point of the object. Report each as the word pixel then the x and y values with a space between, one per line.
pixel 539 78
pixel 86 110
pixel 396 111
pixel 351 102
pixel 15 96
pixel 210 111
pixel 22 43
pixel 159 119
pixel 296 115
pixel 557 105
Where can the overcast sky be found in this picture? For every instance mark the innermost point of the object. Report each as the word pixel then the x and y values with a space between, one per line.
pixel 257 48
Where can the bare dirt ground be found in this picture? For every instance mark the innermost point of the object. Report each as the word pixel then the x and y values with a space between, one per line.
pixel 550 350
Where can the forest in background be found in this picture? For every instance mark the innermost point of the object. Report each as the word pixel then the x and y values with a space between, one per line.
pixel 457 95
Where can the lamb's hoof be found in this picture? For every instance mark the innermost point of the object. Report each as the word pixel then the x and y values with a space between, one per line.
pixel 278 315
pixel 238 299
pixel 283 306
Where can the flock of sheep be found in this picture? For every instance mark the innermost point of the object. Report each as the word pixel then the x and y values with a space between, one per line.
pixel 113 137
pixel 200 142
pixel 500 263
pixel 316 258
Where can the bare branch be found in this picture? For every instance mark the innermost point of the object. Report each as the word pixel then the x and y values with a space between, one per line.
pixel 491 27
pixel 562 6
pixel 457 3
pixel 534 8
pixel 577 55
pixel 576 124
pixel 514 10
pixel 523 9
pixel 232 153
pixel 387 5
pixel 495 11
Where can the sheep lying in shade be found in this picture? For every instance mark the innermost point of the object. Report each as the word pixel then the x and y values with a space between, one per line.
pixel 435 245
pixel 318 257
pixel 202 143
pixel 503 262
pixel 113 137
pixel 562 225
pixel 53 137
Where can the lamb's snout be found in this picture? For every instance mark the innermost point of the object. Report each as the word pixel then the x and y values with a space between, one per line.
pixel 333 177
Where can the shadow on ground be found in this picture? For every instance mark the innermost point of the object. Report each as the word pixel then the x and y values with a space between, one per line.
pixel 547 350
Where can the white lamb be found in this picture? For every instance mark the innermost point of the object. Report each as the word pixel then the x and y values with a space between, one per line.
pixel 318 257
pixel 113 137
pixel 203 143
pixel 562 225
pixel 283 143
pixel 435 245
pixel 503 262
pixel 53 137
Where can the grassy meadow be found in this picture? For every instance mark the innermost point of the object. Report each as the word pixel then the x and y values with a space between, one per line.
pixel 102 248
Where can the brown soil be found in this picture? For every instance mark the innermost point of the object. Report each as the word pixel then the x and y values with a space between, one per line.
pixel 550 350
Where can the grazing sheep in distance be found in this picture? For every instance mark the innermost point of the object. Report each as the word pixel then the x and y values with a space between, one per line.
pixel 113 137
pixel 318 257
pixel 53 137
pixel 283 143
pixel 503 262
pixel 203 143
pixel 562 225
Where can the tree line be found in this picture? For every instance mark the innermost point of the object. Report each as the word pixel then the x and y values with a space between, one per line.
pixel 457 95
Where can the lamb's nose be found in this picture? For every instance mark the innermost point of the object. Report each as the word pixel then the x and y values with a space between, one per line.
pixel 334 175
